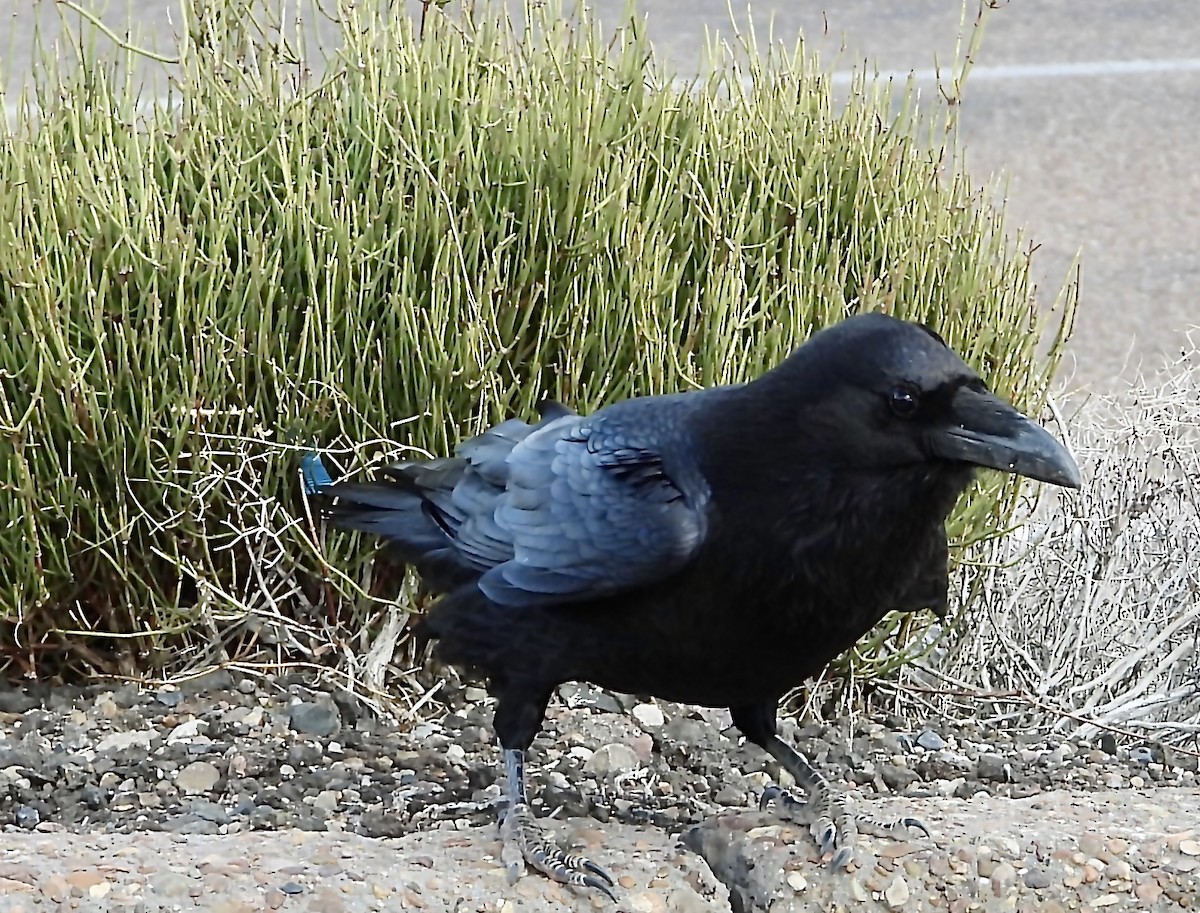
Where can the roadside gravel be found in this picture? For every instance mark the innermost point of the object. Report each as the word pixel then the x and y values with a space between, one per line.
pixel 230 795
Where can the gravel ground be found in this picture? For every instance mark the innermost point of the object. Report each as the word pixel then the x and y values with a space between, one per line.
pixel 229 795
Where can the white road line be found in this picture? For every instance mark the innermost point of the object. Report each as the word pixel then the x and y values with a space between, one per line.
pixel 1080 69
pixel 1083 68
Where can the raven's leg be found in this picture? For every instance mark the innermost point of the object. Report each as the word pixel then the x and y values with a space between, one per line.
pixel 518 717
pixel 827 812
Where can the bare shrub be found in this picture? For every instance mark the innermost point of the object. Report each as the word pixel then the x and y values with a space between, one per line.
pixel 1087 618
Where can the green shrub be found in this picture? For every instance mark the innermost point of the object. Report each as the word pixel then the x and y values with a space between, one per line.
pixel 429 234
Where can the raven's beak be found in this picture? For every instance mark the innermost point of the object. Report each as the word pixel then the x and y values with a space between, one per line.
pixel 989 432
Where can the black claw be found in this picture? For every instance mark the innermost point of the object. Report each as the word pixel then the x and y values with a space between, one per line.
pixel 770 794
pixel 842 859
pixel 590 881
pixel 827 840
pixel 918 824
pixel 598 871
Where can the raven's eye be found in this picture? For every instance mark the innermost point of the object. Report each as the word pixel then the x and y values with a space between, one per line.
pixel 904 400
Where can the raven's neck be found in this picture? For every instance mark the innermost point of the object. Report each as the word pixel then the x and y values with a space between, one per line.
pixel 806 508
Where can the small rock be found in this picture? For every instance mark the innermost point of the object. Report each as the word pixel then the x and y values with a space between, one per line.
pixel 15 701
pixel 648 715
pixel 896 777
pixel 1002 876
pixel 84 879
pixel 576 694
pixel 1148 891
pixel 169 697
pixel 1189 847
pixel 291 887
pixel 730 795
pixel 613 758
pixel 687 732
pixel 1108 744
pixel 171 884
pixel 321 719
pixel 209 682
pixel 797 882
pixel 121 741
pixel 56 889
pixel 896 893
pixel 1038 879
pixel 327 800
pixel 985 866
pixel 930 740
pixel 209 811
pixel 993 767
pixel 197 777
pixel 27 817
pixel 185 732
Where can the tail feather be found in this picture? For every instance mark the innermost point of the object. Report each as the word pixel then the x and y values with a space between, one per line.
pixel 392 508
pixel 420 507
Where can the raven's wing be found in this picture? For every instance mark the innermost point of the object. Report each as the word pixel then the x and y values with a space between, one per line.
pixel 591 506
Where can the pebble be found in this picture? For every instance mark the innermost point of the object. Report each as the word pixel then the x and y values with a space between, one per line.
pixel 1148 891
pixel 897 893
pixel 124 741
pixel 897 778
pixel 185 732
pixel 797 882
pixel 930 740
pixel 613 758
pixel 197 777
pixel 648 715
pixel 320 719
pixel 1003 875
pixel 993 767
pixel 1037 879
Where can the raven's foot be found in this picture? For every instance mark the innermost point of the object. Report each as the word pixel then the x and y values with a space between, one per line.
pixel 831 822
pixel 525 842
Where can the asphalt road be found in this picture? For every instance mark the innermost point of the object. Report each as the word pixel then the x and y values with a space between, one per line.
pixel 1091 108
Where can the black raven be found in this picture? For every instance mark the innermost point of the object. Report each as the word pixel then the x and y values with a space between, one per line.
pixel 716 547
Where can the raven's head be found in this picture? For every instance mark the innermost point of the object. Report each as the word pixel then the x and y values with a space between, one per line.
pixel 885 393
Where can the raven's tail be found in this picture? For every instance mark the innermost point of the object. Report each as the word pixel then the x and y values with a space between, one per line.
pixel 395 508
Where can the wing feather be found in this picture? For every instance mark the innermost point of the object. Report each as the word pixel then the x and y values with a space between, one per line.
pixel 590 508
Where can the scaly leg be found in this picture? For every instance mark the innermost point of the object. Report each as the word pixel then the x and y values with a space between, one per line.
pixel 827 811
pixel 525 842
